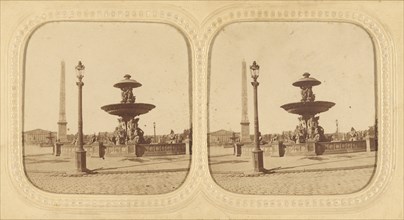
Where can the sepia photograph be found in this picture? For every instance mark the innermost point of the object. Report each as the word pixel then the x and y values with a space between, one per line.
pixel 107 108
pixel 201 110
pixel 302 117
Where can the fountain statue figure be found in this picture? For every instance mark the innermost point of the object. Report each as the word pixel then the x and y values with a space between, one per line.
pixel 127 89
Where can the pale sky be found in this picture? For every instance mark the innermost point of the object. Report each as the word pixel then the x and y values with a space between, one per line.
pixel 154 54
pixel 340 55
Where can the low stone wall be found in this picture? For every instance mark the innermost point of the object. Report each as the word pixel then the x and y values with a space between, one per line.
pixel 112 150
pixel 303 149
pixel 342 147
pixel 323 148
pixel 70 149
pixel 347 146
pixel 227 145
pixel 45 145
pixel 160 149
pixel 246 150
pixel 127 150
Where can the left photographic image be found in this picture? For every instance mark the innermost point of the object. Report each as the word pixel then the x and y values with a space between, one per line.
pixel 107 108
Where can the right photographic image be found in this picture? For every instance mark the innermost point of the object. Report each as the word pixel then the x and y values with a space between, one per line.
pixel 292 108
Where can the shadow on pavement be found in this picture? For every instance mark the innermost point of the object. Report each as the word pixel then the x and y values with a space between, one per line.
pixel 142 164
pixel 33 161
pixel 134 160
pixel 220 155
pixel 311 164
pixel 228 161
pixel 35 155
pixel 166 158
pixel 344 156
pixel 314 158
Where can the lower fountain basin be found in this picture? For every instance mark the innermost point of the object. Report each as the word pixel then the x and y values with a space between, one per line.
pixel 128 109
pixel 308 108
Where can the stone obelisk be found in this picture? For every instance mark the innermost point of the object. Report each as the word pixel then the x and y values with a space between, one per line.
pixel 62 124
pixel 245 124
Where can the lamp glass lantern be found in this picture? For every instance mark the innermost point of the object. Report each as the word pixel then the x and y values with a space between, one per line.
pixel 80 68
pixel 255 70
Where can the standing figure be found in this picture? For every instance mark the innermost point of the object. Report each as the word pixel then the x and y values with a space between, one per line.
pixel 353 135
pixel 303 126
pixel 75 139
pixel 133 124
pixel 312 126
pixel 261 140
pixel 171 137
pixel 274 138
pixel 307 94
pixel 120 136
pixel 123 94
pixel 115 137
pixel 299 134
pixel 139 136
pixel 127 95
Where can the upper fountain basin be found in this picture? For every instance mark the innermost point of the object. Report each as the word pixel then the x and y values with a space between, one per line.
pixel 308 108
pixel 306 81
pixel 127 82
pixel 128 109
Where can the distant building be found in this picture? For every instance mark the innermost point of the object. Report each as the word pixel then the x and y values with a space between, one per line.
pixel 38 136
pixel 221 136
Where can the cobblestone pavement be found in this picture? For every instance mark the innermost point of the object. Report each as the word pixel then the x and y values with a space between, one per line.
pixel 114 175
pixel 44 161
pixel 298 183
pixel 113 184
pixel 293 175
pixel 222 160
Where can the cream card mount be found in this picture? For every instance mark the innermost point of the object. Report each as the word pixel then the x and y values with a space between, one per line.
pixel 199 35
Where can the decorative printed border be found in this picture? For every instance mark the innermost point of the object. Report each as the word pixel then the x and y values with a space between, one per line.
pixel 199 36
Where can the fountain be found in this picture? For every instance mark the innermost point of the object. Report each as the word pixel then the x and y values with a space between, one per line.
pixel 128 129
pixel 308 129
pixel 128 139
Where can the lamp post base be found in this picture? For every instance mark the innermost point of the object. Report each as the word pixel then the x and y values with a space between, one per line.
pixel 81 161
pixel 258 160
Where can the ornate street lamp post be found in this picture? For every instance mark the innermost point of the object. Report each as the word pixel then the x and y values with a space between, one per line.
pixel 80 152
pixel 257 153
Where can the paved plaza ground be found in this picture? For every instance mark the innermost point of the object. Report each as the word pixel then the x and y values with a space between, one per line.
pixel 289 175
pixel 293 175
pixel 114 175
